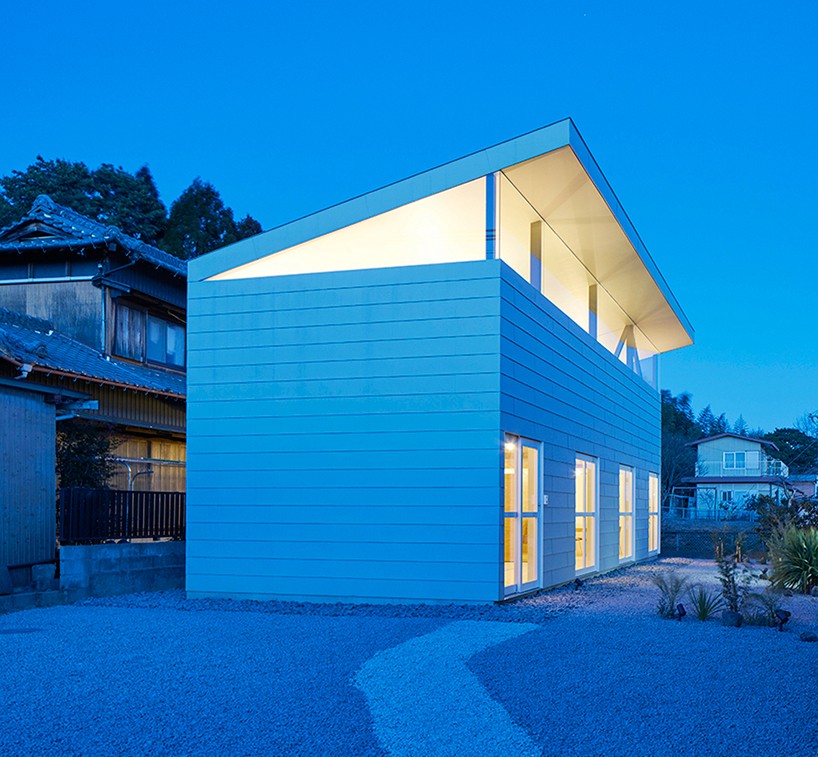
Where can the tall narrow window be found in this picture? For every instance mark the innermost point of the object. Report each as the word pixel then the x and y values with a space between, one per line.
pixel 521 515
pixel 625 513
pixel 653 512
pixel 586 511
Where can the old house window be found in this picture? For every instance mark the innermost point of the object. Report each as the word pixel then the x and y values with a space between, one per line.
pixel 148 338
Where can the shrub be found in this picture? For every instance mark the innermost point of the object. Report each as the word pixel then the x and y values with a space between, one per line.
pixel 760 608
pixel 735 581
pixel 671 586
pixel 795 559
pixel 704 604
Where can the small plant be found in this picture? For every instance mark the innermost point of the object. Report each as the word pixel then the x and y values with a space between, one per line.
pixel 795 559
pixel 705 604
pixel 761 607
pixel 671 586
pixel 735 579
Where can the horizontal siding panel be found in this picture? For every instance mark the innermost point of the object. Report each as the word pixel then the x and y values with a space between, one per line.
pixel 452 326
pixel 294 407
pixel 351 514
pixel 310 549
pixel 390 570
pixel 368 386
pixel 343 533
pixel 312 424
pixel 476 344
pixel 338 589
pixel 360 442
pixel 316 366
pixel 402 314
pixel 324 493
pixel 378 460
pixel 239 478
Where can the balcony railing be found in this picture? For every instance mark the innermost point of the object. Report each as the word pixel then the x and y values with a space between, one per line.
pixel 768 466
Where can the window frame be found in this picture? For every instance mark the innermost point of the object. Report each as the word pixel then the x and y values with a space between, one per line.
pixel 147 314
pixel 624 514
pixel 654 512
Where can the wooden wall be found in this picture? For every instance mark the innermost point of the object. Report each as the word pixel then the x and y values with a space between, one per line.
pixel 27 478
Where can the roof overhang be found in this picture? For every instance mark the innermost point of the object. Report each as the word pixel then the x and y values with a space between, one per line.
pixel 593 210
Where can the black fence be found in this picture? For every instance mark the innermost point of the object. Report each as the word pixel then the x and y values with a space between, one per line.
pixel 89 516
pixel 690 543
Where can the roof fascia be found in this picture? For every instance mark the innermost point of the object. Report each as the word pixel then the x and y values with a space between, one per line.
pixel 392 196
pixel 42 389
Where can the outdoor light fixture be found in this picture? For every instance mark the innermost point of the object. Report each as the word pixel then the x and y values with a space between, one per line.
pixel 783 617
pixel 680 611
pixel 510 446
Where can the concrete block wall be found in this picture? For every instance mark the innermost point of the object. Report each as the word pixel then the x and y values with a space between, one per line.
pixel 99 570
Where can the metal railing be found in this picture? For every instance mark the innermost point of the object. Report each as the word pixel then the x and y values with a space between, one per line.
pixel 90 516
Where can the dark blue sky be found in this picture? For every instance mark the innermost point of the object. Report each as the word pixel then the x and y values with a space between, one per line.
pixel 702 115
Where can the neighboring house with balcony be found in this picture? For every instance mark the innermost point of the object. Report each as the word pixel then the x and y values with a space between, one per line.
pixel 731 468
pixel 443 390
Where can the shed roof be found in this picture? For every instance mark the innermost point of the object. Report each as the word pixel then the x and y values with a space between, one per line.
pixel 505 155
pixel 76 231
pixel 25 340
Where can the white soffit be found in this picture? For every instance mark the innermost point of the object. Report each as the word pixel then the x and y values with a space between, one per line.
pixel 447 227
pixel 563 194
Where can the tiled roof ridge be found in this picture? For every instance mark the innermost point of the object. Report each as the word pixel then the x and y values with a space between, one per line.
pixel 78 225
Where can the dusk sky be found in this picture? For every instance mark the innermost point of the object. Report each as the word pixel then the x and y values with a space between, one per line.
pixel 703 117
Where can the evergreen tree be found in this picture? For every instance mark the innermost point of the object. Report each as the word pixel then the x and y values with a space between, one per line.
pixel 678 430
pixel 69 184
pixel 247 227
pixel 795 449
pixel 199 222
pixel 707 421
pixel 108 194
pixel 130 202
pixel 721 425
pixel 740 426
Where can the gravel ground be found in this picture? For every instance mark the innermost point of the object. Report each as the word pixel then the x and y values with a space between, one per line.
pixel 611 677
pixel 599 674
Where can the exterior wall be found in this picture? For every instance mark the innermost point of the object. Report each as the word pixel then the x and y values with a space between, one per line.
pixel 100 570
pixel 73 307
pixel 27 477
pixel 344 435
pixel 710 457
pixel 560 387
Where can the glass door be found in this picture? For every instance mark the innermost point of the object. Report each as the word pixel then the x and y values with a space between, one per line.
pixel 586 514
pixel 626 530
pixel 521 515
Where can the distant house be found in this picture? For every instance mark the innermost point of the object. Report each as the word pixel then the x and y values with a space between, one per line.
pixel 731 468
pixel 443 390
pixel 86 308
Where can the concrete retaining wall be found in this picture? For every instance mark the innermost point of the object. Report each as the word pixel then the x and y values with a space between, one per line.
pixel 101 570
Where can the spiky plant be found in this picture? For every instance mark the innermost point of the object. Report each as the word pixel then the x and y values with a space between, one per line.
pixel 795 559
pixel 705 604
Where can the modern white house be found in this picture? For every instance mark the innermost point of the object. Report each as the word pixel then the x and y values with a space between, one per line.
pixel 731 468
pixel 444 390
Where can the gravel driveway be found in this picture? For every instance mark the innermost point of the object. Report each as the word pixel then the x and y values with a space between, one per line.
pixel 593 672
